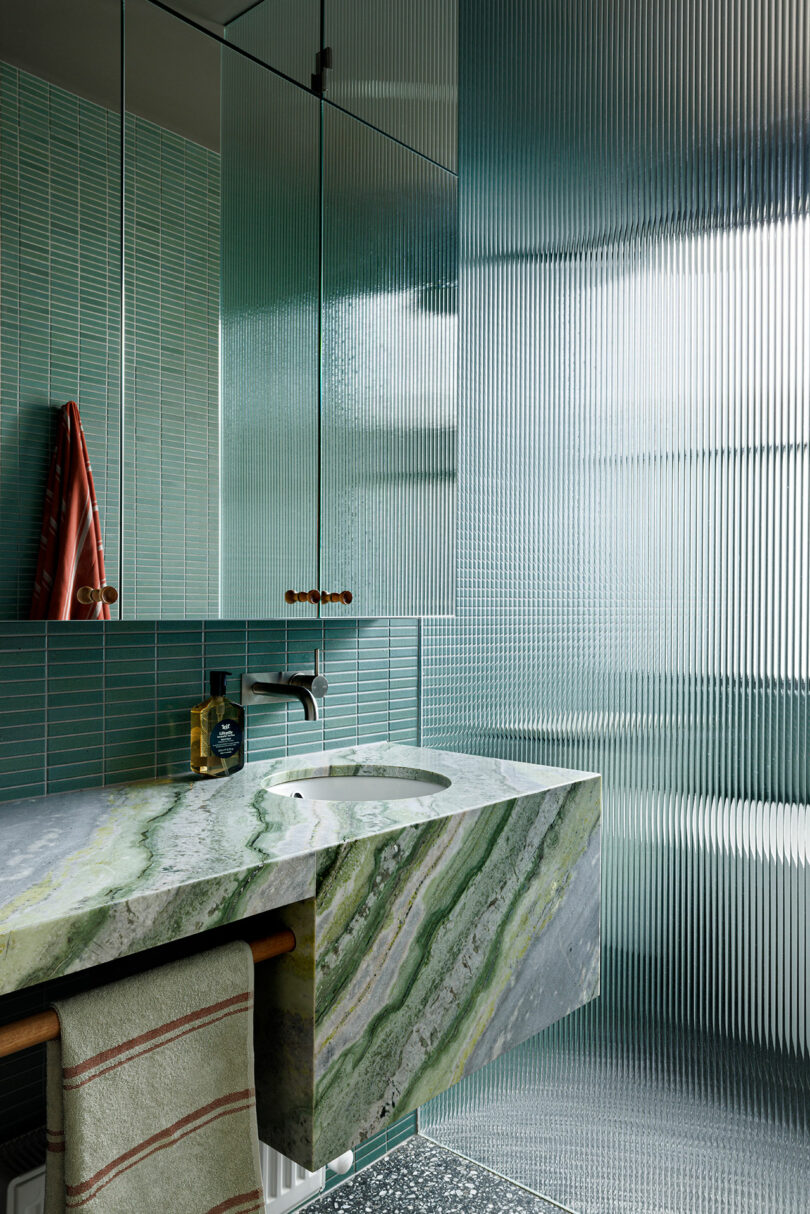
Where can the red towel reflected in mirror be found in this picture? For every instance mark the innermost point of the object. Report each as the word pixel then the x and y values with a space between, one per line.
pixel 71 554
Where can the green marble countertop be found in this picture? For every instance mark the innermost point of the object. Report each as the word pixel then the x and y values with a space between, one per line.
pixel 94 875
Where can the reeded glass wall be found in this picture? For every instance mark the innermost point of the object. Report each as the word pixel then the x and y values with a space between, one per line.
pixel 634 582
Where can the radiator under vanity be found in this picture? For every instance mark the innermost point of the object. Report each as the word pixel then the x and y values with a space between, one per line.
pixel 286 1184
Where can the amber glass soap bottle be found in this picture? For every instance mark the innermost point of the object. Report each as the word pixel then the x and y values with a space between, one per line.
pixel 217 732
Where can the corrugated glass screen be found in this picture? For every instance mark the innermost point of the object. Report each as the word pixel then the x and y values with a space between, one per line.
pixel 634 576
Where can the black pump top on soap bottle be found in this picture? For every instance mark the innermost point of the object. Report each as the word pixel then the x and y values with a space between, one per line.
pixel 219 680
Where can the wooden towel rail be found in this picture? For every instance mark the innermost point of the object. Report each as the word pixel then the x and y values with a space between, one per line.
pixel 44 1026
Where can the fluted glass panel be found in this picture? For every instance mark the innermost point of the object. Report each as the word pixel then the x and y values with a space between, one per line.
pixel 284 34
pixel 634 578
pixel 388 421
pixel 269 341
pixel 396 66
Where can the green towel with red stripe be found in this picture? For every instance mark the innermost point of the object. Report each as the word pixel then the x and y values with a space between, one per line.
pixel 151 1100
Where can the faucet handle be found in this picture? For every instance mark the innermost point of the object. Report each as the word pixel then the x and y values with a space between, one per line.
pixel 315 683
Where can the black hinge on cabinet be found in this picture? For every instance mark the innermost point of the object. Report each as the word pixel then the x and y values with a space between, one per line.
pixel 323 63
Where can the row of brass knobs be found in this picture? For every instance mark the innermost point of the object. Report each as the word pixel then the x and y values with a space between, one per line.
pixel 97 594
pixel 317 596
pixel 108 594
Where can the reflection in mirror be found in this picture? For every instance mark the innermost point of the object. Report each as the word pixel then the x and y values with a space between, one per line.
pixel 221 238
pixel 60 133
pixel 249 435
pixel 389 373
pixel 170 481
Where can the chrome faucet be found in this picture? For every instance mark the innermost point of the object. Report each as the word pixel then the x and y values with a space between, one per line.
pixel 306 688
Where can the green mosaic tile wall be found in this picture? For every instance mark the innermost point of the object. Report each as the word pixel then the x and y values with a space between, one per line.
pixel 91 703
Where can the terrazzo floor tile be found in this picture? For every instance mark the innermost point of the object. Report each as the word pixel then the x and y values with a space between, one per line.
pixel 422 1178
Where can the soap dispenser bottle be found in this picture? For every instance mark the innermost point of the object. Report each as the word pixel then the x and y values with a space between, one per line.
pixel 217 732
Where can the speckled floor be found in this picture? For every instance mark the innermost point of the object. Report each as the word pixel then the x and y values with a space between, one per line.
pixel 422 1178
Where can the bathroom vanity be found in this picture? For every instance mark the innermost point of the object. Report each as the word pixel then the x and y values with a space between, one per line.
pixel 433 931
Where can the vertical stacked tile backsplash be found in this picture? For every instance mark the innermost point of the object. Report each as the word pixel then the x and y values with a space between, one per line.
pixel 89 703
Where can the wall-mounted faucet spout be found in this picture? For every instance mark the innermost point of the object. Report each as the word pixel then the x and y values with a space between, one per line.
pixel 290 689
pixel 306 688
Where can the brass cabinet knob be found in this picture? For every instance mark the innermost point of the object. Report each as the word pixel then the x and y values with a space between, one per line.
pixel 315 596
pixel 97 594
pixel 302 596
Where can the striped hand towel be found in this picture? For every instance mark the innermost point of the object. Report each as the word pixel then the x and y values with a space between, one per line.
pixel 151 1104
pixel 70 550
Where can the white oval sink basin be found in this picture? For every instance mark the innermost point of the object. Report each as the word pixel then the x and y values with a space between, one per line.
pixel 359 786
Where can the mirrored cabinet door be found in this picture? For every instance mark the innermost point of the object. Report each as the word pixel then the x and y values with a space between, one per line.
pixel 388 410
pixel 222 229
pixel 250 295
pixel 171 481
pixel 270 166
pixel 60 280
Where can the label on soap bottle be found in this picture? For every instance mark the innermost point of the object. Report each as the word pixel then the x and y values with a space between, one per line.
pixel 225 739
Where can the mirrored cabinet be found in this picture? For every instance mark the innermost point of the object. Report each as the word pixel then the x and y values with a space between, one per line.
pixel 234 245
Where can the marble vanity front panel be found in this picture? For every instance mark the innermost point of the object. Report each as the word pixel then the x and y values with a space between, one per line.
pixel 426 952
